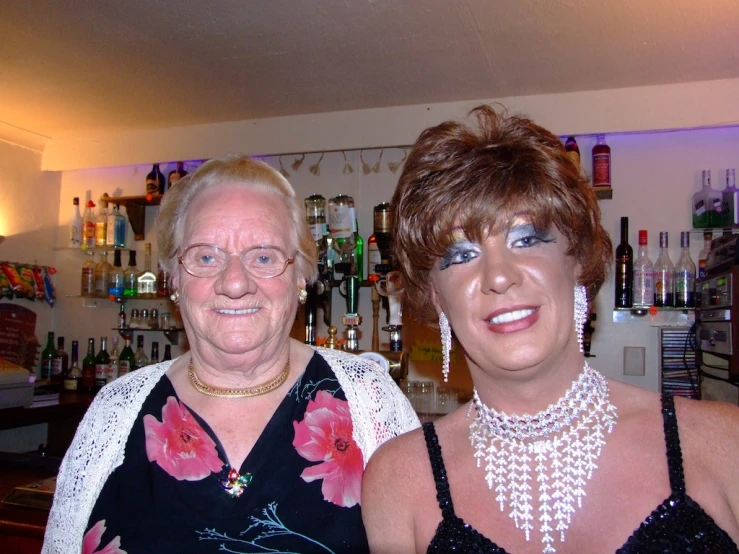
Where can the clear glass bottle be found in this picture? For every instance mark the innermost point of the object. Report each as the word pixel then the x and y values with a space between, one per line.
pixel 643 274
pixel 342 222
pixel 75 225
pixel 131 276
pixel 147 280
pixel 101 225
pixel 102 275
pixel 102 361
pixel 72 378
pixel 88 226
pixel 87 285
pixel 115 277
pixel 135 321
pixel 114 365
pixel 140 359
pixel 703 254
pixel 315 213
pixel 116 228
pixel 154 353
pixel 730 196
pixel 664 275
pixel 685 275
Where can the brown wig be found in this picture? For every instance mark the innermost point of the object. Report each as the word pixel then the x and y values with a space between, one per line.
pixel 479 176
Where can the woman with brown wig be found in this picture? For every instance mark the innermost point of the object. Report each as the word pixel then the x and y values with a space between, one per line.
pixel 495 225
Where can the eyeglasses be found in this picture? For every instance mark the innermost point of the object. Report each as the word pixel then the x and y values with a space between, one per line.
pixel 209 260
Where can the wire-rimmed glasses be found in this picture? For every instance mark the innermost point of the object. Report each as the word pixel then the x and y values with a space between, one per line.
pixel 209 260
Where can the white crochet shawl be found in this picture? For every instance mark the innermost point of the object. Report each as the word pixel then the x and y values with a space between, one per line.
pixel 379 412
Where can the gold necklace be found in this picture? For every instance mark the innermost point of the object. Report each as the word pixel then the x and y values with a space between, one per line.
pixel 259 390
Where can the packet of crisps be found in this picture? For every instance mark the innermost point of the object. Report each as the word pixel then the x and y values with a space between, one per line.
pixel 49 292
pixel 29 285
pixel 6 290
pixel 38 282
pixel 22 288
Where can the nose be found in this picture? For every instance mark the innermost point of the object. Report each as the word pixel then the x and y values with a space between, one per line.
pixel 500 271
pixel 235 281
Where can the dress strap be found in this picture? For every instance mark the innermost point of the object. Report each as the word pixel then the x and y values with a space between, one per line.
pixel 437 466
pixel 672 440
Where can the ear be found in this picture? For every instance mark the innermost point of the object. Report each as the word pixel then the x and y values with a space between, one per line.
pixel 175 278
pixel 434 297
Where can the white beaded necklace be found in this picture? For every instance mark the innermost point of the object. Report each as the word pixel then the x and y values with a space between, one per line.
pixel 563 463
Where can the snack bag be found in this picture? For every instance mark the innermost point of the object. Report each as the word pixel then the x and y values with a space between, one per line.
pixel 6 290
pixel 49 292
pixel 22 288
pixel 38 282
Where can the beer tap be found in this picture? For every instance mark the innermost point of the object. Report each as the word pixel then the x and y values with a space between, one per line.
pixel 351 319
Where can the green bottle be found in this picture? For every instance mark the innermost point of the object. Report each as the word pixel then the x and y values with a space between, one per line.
pixel 102 362
pixel 87 381
pixel 126 358
pixel 359 251
pixel 47 357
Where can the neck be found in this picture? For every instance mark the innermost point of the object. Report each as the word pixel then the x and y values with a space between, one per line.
pixel 527 390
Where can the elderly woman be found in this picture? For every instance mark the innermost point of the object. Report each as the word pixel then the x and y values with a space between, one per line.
pixel 496 226
pixel 251 442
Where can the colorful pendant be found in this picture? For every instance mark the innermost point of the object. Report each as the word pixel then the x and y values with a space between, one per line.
pixel 235 484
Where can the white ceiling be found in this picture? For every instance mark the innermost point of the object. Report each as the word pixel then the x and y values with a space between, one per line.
pixel 77 66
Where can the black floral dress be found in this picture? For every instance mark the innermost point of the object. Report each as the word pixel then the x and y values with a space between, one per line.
pixel 297 491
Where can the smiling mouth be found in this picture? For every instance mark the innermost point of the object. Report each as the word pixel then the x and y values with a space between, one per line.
pixel 509 317
pixel 245 311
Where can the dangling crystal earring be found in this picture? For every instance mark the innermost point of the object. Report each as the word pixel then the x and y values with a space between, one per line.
pixel 446 344
pixel 581 312
pixel 175 297
pixel 302 294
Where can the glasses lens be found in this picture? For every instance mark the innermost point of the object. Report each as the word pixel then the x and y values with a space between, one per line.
pixel 204 260
pixel 264 261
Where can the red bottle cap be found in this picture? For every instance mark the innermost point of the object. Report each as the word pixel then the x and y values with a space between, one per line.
pixel 642 237
pixel 90 204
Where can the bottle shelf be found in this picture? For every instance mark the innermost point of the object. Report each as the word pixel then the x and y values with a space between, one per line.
pixel 120 299
pixel 717 231
pixel 93 249
pixel 645 310
pixel 604 193
pixel 136 210
pixel 172 334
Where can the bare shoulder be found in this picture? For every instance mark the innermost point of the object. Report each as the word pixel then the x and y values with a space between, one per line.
pixel 396 460
pixel 709 427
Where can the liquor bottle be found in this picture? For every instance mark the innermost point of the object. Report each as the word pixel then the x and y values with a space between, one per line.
pixel 342 222
pixel 379 244
pixel 60 364
pixel 154 353
pixel 703 255
pixel 147 281
pixel 72 378
pixel 47 357
pixel 130 276
pixel 114 365
pixel 101 224
pixel 122 317
pixel 116 228
pixel 87 379
pixel 162 281
pixel 140 360
pixel 643 274
pixel 88 226
pixel 624 268
pixel 685 275
pixel 75 225
pixel 102 361
pixel 315 213
pixel 154 181
pixel 573 151
pixel 664 275
pixel 87 285
pixel 102 275
pixel 707 204
pixel 358 251
pixel 601 163
pixel 115 277
pixel 126 361
pixel 176 174
pixel 167 353
pixel 730 200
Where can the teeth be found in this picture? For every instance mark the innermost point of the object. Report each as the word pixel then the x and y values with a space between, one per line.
pixel 511 316
pixel 238 312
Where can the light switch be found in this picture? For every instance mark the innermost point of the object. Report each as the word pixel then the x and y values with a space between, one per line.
pixel 634 360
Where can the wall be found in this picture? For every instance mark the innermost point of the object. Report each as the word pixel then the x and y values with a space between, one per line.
pixel 29 200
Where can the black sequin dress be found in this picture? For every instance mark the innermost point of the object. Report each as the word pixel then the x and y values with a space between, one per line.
pixel 678 525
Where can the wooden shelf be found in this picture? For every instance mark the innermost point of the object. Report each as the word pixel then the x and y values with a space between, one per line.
pixel 172 334
pixel 136 210
pixel 604 194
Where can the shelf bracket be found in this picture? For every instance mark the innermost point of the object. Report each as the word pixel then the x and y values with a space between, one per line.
pixel 137 215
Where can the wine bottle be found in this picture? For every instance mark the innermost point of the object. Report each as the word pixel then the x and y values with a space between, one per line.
pixel 87 379
pixel 72 378
pixel 60 364
pixel 47 357
pixel 624 268
pixel 102 361
pixel 126 362
pixel 664 275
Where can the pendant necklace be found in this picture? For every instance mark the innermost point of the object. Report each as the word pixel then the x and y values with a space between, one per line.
pixel 561 444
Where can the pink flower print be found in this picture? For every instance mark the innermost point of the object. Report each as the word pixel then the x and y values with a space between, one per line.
pixel 179 445
pixel 92 540
pixel 325 435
